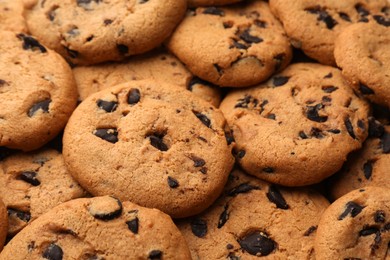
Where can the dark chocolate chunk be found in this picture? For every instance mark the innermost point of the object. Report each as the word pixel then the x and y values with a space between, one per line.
pixel 172 182
pixel 107 22
pixel 349 127
pixel 84 2
pixel 279 58
pixel 198 162
pixel 262 105
pixel 323 16
pixel 29 43
pixel 108 134
pixel 3 82
pixel 365 90
pixel 248 38
pixel 271 116
pixel 385 142
pixel 41 105
pixel 302 135
pixel 329 89
pixel 345 17
pixel 109 215
pixel 214 11
pixel 133 225
pixel 361 125
pixel 310 231
pixel 53 252
pixel 228 24
pixel 268 170
pixel 280 80
pixel 351 208
pixel 328 76
pixel 143 1
pixel 203 118
pixel 334 131
pixel 241 154
pixel 375 128
pixel 203 170
pixel 276 197
pixel 239 45
pixel 72 53
pixel 361 10
pixel 382 20
pixel 199 227
pixel 123 49
pixel 134 96
pixel 242 188
pixel 229 137
pixel 22 215
pixel 247 100
pixel 157 141
pixel 51 14
pixel 260 23
pixel 108 106
pixel 316 133
pixel 367 169
pixel 379 216
pixel 223 217
pixel 155 255
pixel 366 231
pixel 312 113
pixel 29 177
pixel 257 243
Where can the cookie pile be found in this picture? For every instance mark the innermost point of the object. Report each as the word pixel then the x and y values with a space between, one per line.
pixel 194 129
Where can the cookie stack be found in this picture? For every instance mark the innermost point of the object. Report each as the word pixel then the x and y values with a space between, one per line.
pixel 193 129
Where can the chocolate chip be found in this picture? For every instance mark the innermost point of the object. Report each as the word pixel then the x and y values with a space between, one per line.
pixel 312 113
pixel 199 227
pixel 134 96
pixel 22 215
pixel 238 45
pixel 349 127
pixel 271 116
pixel 242 188
pixel 229 246
pixel 302 135
pixel 51 14
pixel 29 177
pixel 53 252
pixel 108 106
pixel 334 131
pixel 385 142
pixel 247 100
pixel 276 197
pixel 108 134
pixel 248 38
pixel 85 2
pixel 379 216
pixel 133 225
pixel 345 17
pixel 41 105
pixel 323 16
pixel 203 118
pixel 367 169
pixel 280 80
pixel 351 208
pixel 361 125
pixel 279 58
pixel 198 162
pixel 157 141
pixel 3 82
pixel 375 128
pixel 241 154
pixel 257 243
pixel 329 89
pixel 123 49
pixel 29 43
pixel 143 1
pixel 268 170
pixel 172 182
pixel 328 76
pixel 106 213
pixel 214 11
pixel 310 231
pixel 365 90
pixel 228 24
pixel 316 133
pixel 259 23
pixel 155 255
pixel 382 20
pixel 366 231
pixel 223 217
pixel 361 10
pixel 107 22
pixel 203 170
pixel 229 137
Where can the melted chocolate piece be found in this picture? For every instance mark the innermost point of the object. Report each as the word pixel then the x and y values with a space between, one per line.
pixel 257 243
pixel 107 134
pixel 351 208
pixel 41 105
pixel 29 177
pixel 199 227
pixel 276 197
pixel 29 43
pixel 53 252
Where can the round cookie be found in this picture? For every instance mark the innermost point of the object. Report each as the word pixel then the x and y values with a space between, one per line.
pixel 32 184
pixel 151 143
pixel 211 2
pixel 90 32
pixel 99 228
pixel 256 219
pixel 37 92
pixel 362 52
pixel 3 224
pixel 232 46
pixel 11 16
pixel 297 128
pixel 319 23
pixel 356 226
pixel 160 66
pixel 367 167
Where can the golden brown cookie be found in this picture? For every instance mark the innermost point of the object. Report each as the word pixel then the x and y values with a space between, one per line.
pixel 3 224
pixel 11 16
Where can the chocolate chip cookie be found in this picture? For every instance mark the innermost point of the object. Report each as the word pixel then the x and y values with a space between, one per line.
pixel 368 166
pixel 313 26
pixel 297 128
pixel 93 31
pixel 155 144
pixel 356 226
pixel 37 92
pixel 256 219
pixel 33 183
pixel 11 16
pixel 234 46
pixel 3 224
pixel 159 65
pixel 99 228
pixel 362 52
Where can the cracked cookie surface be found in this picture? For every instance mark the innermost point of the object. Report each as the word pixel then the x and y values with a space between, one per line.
pixel 152 143
pixel 232 46
pixel 255 219
pixel 297 128
pixel 99 228
pixel 94 31
pixel 37 92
